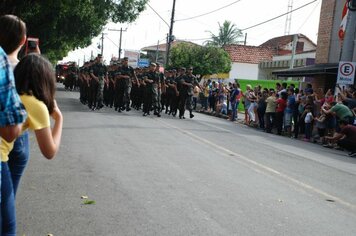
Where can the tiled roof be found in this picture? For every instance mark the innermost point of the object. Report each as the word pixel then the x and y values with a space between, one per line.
pixel 249 54
pixel 163 47
pixel 283 40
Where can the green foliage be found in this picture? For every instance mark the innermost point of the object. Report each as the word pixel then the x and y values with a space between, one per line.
pixel 205 59
pixel 228 34
pixel 64 25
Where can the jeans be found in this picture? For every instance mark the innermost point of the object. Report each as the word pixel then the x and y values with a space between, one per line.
pixel 195 101
pixel 205 103
pixel 8 215
pixel 270 121
pixel 18 159
pixel 308 130
pixel 234 106
pixel 251 112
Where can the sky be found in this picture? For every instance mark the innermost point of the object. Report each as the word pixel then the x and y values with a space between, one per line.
pixel 149 28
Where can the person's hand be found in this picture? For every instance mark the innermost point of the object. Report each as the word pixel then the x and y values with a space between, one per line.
pixel 56 114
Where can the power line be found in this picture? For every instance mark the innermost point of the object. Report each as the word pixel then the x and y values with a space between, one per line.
pixel 158 14
pixel 112 41
pixel 264 22
pixel 308 16
pixel 204 14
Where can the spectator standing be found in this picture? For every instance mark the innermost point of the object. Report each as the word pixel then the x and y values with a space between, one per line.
pixel 281 106
pixel 196 93
pixel 235 97
pixel 289 111
pixel 35 82
pixel 270 115
pixel 261 108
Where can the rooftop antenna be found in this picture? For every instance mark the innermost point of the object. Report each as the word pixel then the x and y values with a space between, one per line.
pixel 289 18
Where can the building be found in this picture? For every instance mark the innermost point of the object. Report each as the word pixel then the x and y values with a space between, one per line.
pixel 158 52
pixel 305 53
pixel 245 60
pixel 258 62
pixel 329 49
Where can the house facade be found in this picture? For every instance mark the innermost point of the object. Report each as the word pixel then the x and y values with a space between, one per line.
pixel 258 62
pixel 283 57
pixel 245 60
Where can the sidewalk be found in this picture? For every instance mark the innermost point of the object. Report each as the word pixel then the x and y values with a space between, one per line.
pixel 241 121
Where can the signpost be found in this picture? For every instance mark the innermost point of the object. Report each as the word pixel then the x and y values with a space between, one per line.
pixel 346 73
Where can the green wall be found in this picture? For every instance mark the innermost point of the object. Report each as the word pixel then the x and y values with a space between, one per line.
pixel 264 84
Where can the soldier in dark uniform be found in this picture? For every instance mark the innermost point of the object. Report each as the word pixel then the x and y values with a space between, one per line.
pixel 82 84
pixel 117 86
pixel 170 92
pixel 72 77
pixel 175 93
pixel 186 85
pixel 160 84
pixel 92 87
pixel 111 90
pixel 98 74
pixel 135 90
pixel 151 80
pixel 126 75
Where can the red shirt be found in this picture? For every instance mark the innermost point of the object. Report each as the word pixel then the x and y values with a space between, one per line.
pixel 281 105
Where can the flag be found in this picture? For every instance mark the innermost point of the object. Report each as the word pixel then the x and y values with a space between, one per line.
pixel 345 13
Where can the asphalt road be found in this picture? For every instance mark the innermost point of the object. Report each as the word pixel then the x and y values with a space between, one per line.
pixel 165 176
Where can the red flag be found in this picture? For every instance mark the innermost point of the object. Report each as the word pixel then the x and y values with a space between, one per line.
pixel 342 27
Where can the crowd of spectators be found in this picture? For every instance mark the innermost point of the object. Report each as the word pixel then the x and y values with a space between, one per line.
pixel 309 114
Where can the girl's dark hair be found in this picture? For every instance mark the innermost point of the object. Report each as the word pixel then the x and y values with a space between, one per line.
pixel 34 75
pixel 13 30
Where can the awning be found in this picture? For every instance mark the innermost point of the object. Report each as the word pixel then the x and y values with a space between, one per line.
pixel 312 70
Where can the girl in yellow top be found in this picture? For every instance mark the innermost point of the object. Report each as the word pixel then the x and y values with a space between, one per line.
pixel 35 82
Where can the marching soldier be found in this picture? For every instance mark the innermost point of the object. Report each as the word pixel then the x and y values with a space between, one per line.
pixel 98 74
pixel 160 89
pixel 151 80
pixel 126 75
pixel 186 85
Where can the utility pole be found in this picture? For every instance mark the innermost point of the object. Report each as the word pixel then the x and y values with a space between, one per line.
pixel 120 39
pixel 102 44
pixel 245 39
pixel 294 49
pixel 157 51
pixel 170 36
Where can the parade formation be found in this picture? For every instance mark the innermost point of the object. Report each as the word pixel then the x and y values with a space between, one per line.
pixel 123 88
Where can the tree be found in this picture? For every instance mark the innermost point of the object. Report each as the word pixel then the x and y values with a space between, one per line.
pixel 228 34
pixel 63 25
pixel 206 60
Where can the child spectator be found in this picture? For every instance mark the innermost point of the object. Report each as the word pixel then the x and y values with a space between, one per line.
pixel 308 123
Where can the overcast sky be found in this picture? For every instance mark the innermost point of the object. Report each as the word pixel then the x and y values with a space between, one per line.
pixel 149 28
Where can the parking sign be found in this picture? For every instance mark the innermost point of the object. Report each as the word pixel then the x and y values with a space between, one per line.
pixel 346 74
